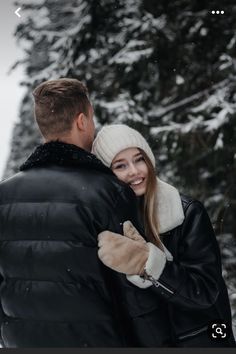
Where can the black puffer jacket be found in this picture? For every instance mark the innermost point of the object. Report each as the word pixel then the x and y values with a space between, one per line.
pixel 190 294
pixel 55 291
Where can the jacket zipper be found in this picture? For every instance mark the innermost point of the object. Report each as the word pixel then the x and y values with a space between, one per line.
pixel 194 333
pixel 155 282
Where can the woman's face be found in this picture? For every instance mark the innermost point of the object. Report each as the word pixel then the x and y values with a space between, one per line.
pixel 130 167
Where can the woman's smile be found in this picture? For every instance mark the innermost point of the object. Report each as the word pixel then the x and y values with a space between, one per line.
pixel 137 182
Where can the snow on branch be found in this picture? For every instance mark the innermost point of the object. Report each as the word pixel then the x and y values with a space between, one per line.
pixel 162 111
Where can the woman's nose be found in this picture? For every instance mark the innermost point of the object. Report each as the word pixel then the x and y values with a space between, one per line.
pixel 132 170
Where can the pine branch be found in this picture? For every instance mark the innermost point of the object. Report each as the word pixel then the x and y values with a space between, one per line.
pixel 159 113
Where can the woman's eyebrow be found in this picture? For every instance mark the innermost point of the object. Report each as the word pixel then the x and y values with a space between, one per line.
pixel 118 161
pixel 136 155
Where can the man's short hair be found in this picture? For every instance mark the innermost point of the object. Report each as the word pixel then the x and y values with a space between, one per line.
pixel 57 103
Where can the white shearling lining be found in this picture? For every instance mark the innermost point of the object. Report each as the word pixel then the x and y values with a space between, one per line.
pixel 154 266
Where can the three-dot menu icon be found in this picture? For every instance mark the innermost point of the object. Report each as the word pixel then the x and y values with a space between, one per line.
pixel 217 12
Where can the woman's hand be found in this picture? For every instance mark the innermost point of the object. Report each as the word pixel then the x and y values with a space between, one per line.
pixel 125 254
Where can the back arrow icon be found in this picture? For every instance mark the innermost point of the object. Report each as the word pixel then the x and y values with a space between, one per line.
pixel 17 12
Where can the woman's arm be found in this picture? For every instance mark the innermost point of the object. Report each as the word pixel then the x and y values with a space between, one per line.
pixel 193 279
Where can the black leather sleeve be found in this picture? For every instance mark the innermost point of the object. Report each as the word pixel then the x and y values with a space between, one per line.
pixel 192 280
pixel 126 208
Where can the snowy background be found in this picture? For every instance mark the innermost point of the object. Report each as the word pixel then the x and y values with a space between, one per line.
pixel 11 93
pixel 166 68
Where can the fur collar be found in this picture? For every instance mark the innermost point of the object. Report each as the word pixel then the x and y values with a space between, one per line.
pixel 62 154
pixel 169 209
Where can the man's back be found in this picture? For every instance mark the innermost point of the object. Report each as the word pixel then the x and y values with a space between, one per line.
pixel 55 291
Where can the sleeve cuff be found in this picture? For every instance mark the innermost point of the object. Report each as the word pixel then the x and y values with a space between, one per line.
pixel 154 266
pixel 138 281
pixel 156 261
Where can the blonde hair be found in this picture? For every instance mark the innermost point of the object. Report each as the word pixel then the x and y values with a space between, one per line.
pixel 149 205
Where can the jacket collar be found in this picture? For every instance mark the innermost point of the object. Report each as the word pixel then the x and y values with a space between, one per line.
pixel 62 154
pixel 170 212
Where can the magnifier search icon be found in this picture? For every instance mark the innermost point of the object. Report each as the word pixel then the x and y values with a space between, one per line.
pixel 219 331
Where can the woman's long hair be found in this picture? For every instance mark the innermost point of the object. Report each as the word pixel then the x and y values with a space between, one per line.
pixel 149 205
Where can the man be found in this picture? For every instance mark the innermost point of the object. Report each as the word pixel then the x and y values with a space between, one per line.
pixel 55 291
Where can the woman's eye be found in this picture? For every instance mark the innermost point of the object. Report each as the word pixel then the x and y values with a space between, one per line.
pixel 139 159
pixel 119 167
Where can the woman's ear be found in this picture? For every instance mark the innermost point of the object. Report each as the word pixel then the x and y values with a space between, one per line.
pixel 81 121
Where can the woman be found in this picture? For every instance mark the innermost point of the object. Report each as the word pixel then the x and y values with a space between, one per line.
pixel 176 293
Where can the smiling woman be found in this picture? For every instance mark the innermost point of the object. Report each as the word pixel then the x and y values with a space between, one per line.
pixel 175 266
pixel 11 92
pixel 131 159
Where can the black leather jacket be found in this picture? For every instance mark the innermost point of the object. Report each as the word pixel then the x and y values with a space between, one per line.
pixel 190 293
pixel 55 291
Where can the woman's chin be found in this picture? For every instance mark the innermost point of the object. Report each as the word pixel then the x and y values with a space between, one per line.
pixel 139 191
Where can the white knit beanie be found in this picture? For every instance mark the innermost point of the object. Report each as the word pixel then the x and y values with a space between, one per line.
pixel 112 139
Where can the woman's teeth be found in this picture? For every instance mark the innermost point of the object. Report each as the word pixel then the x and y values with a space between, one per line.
pixel 138 181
